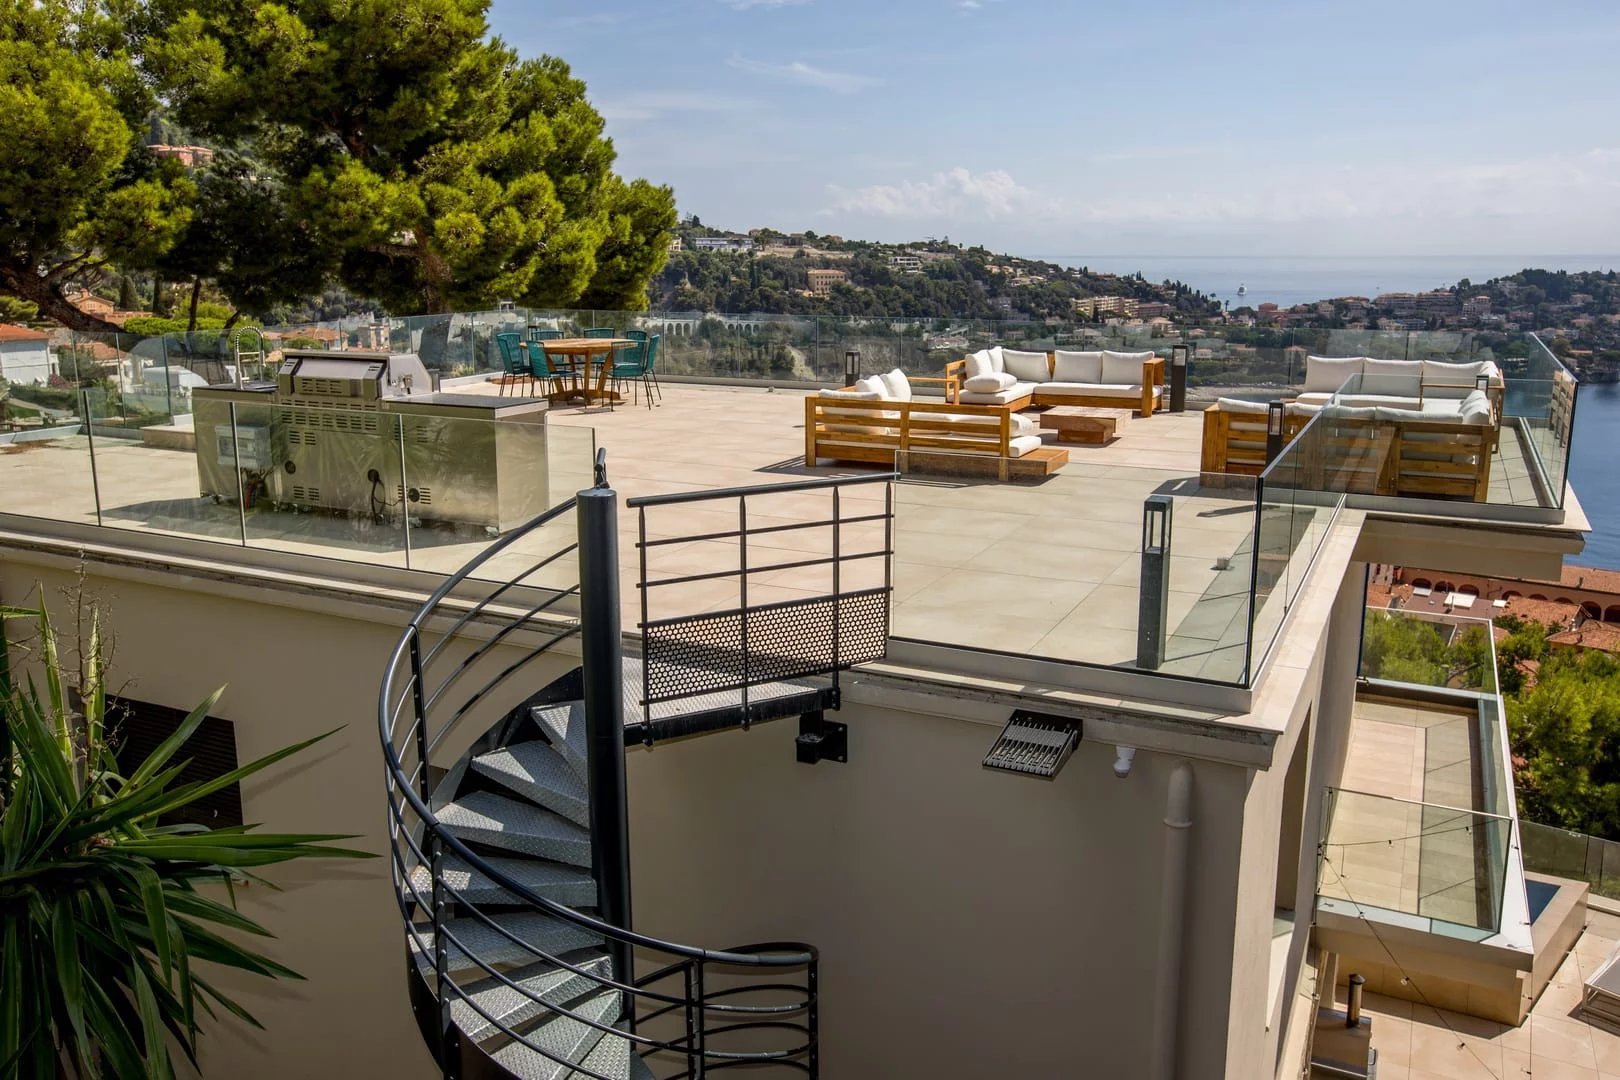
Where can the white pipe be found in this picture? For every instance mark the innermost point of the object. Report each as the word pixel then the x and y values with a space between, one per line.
pixel 1172 913
pixel 1123 756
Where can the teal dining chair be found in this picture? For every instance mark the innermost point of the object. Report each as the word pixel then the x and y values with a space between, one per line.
pixel 537 334
pixel 514 365
pixel 630 366
pixel 543 371
pixel 601 331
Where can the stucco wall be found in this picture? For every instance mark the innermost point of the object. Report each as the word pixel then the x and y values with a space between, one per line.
pixel 971 923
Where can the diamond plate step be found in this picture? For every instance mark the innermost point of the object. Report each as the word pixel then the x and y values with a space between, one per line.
pixel 551 936
pixel 563 1038
pixel 613 1056
pixel 517 826
pixel 568 885
pixel 538 773
pixel 564 727
pixel 513 1007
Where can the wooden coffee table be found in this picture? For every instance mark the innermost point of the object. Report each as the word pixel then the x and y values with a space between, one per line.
pixel 1083 424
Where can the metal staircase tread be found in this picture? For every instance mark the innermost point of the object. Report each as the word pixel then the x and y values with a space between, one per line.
pixel 553 937
pixel 562 1037
pixel 563 723
pixel 513 1007
pixel 517 826
pixel 541 775
pixel 613 1056
pixel 569 885
pixel 713 702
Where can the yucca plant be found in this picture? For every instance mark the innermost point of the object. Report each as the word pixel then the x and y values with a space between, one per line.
pixel 109 917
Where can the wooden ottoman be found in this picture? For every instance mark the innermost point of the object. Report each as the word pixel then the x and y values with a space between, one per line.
pixel 1084 425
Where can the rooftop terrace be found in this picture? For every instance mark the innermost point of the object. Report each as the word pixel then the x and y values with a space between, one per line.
pixel 1050 568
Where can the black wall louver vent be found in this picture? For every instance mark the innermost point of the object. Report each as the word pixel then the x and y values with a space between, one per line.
pixel 137 727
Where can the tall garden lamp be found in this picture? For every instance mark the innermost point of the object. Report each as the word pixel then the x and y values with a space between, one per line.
pixel 852 366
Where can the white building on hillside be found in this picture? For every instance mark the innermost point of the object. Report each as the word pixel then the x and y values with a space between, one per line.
pixel 24 355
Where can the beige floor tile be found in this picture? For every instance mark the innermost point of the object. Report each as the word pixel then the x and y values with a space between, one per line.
pixel 1560 1040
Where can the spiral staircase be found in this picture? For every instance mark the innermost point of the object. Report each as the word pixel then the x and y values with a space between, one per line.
pixel 509 828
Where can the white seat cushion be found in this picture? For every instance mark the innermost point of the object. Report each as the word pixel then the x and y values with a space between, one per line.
pixel 1317 398
pixel 1378 401
pixel 1443 408
pixel 1000 397
pixel 1077 367
pixel 1100 390
pixel 1020 445
pixel 1325 374
pixel 1026 366
pixel 1123 368
pixel 989 383
pixel 1476 408
pixel 1393 378
pixel 1018 423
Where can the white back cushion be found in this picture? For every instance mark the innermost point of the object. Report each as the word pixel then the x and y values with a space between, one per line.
pixel 851 395
pixel 1026 366
pixel 1082 367
pixel 1453 380
pixel 997 360
pixel 1325 374
pixel 896 386
pixel 1123 368
pixel 1476 408
pixel 1392 378
pixel 978 365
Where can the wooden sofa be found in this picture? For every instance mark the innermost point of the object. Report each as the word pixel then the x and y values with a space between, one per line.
pixel 1371 451
pixel 926 435
pixel 1060 377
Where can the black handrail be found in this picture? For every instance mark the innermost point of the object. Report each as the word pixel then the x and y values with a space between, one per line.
pixel 421 842
pixel 758 489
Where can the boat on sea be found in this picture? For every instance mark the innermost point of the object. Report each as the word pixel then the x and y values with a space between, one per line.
pixel 1243 290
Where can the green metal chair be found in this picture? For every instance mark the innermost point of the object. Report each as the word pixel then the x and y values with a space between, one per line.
pixel 537 334
pixel 631 366
pixel 514 365
pixel 601 331
pixel 543 371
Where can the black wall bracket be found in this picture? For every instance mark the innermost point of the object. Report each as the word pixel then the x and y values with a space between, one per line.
pixel 821 739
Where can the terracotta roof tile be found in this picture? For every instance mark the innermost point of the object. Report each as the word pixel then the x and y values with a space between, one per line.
pixel 10 332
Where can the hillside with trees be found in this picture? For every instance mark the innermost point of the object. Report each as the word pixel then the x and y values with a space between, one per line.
pixel 938 280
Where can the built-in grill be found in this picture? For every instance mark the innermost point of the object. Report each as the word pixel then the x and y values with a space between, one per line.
pixel 367 434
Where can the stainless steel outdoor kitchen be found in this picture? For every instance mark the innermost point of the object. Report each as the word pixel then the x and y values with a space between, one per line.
pixel 368 433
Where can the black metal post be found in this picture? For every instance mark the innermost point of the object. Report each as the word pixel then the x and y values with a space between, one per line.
pixel 1275 411
pixel 1154 599
pixel 852 367
pixel 604 718
pixel 1179 357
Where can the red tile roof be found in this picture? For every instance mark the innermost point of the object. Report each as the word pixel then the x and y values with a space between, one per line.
pixel 1589 635
pixel 9 332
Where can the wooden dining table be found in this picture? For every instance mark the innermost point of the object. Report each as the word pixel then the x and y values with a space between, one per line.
pixel 578 354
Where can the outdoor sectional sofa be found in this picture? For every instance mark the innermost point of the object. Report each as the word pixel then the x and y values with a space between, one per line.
pixel 1432 387
pixel 1369 439
pixel 1016 379
pixel 879 420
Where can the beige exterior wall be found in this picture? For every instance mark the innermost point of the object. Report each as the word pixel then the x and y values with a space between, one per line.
pixel 291 673
pixel 971 923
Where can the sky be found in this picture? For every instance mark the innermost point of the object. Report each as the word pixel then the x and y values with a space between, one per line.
pixel 1049 127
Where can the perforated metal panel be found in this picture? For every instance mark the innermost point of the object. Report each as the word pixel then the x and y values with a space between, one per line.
pixel 700 654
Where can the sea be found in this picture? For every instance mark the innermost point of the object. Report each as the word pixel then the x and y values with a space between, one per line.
pixel 1289 280
pixel 1286 281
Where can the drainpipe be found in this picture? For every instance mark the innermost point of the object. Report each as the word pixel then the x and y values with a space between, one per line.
pixel 1172 912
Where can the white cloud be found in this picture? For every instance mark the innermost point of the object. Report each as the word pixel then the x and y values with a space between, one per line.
pixel 744 5
pixel 654 104
pixel 797 71
pixel 969 5
pixel 1489 205
pixel 953 193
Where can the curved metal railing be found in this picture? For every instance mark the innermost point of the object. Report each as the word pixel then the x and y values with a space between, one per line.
pixel 454 671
